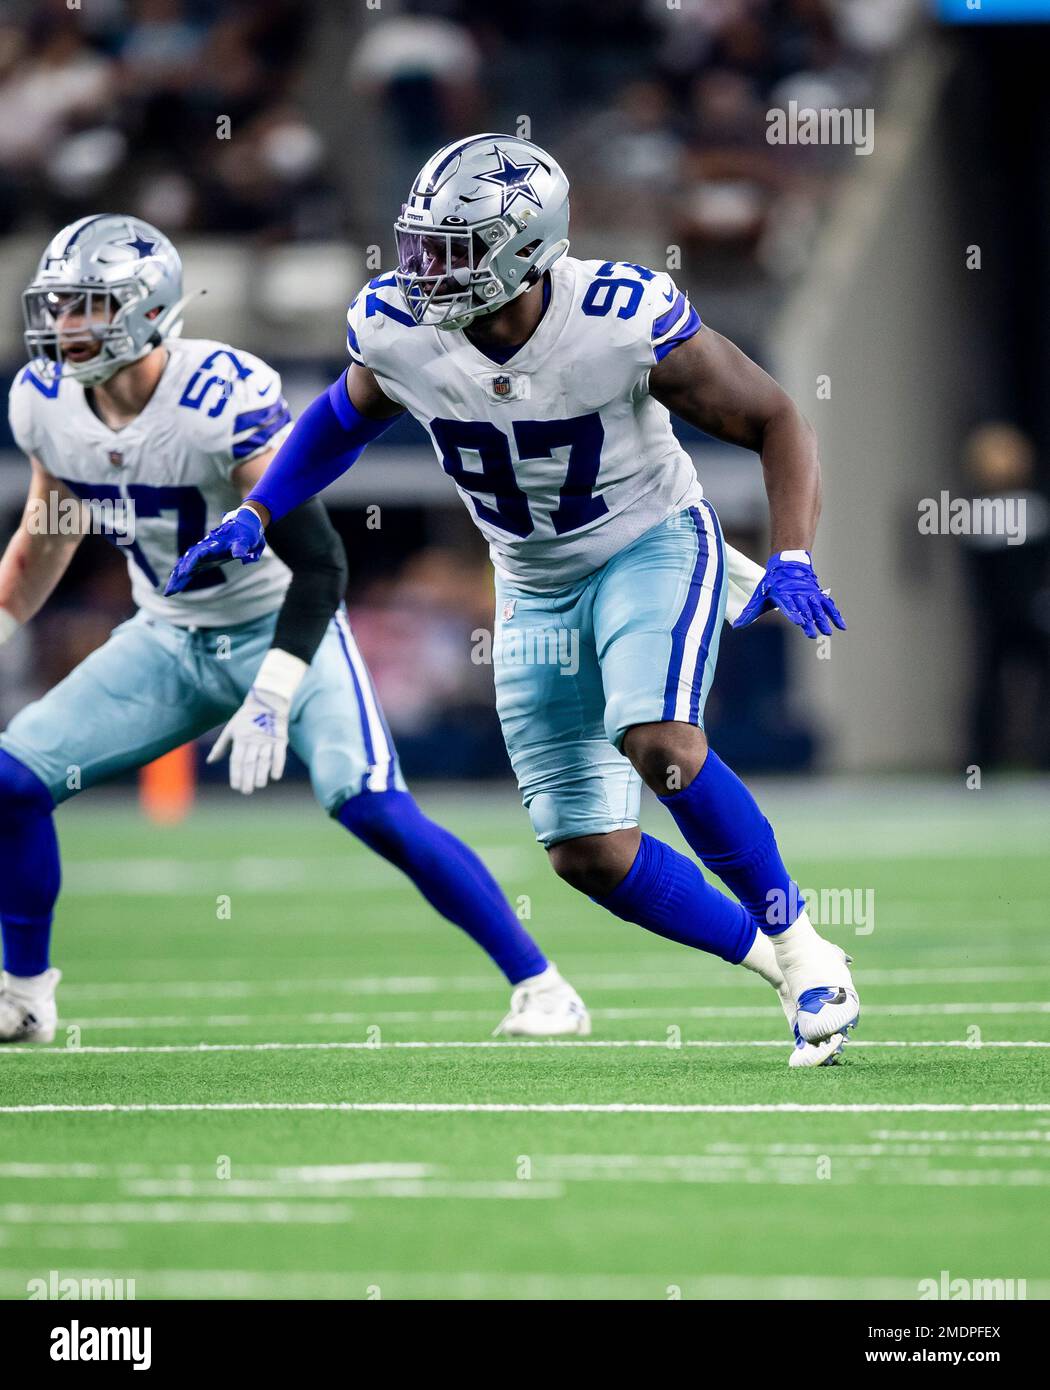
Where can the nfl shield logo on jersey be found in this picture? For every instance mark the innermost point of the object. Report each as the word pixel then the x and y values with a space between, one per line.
pixel 501 385
pixel 116 458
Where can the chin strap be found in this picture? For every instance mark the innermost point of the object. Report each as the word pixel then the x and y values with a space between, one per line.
pixel 167 325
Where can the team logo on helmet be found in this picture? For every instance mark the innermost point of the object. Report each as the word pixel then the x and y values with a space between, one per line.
pixel 459 253
pixel 513 180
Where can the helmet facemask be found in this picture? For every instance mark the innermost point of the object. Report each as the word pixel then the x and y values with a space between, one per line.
pixel 446 276
pixel 101 313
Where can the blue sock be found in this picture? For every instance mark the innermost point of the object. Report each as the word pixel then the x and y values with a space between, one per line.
pixel 30 875
pixel 725 829
pixel 450 876
pixel 667 894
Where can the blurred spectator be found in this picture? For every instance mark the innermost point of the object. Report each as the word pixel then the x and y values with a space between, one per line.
pixel 51 84
pixel 1009 578
pixel 420 74
pixel 125 105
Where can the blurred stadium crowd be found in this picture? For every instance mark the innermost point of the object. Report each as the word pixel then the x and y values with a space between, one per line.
pixel 658 109
pixel 267 128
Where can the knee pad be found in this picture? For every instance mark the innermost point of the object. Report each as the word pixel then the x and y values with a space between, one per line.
pixel 21 792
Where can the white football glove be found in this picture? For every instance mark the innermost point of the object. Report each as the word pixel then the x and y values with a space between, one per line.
pixel 258 732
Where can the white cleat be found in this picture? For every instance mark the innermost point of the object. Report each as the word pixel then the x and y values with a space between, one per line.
pixel 28 1013
pixel 762 960
pixel 822 1054
pixel 806 1054
pixel 545 1006
pixel 819 980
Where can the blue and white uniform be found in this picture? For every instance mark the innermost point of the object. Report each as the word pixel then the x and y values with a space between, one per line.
pixel 184 664
pixel 610 564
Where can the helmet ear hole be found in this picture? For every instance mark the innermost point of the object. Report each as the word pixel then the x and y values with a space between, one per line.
pixel 527 251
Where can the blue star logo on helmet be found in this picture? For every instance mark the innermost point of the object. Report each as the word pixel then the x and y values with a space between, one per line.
pixel 141 245
pixel 513 180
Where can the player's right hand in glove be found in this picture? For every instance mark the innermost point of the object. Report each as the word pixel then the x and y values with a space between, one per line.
pixel 239 536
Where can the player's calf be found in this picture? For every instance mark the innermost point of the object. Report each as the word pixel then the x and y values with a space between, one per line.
pixel 30 880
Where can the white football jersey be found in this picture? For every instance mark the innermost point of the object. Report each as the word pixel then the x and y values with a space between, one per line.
pixel 561 455
pixel 168 473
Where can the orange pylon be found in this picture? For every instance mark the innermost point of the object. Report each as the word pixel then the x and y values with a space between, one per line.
pixel 168 787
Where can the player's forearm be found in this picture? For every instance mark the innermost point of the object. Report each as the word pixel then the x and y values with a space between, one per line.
pixel 791 469
pixel 309 545
pixel 30 568
pixel 327 439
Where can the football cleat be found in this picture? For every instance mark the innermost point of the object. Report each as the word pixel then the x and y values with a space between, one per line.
pixel 822 1054
pixel 545 1006
pixel 807 1054
pixel 761 958
pixel 29 1016
pixel 818 976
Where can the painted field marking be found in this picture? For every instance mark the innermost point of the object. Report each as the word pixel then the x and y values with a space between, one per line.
pixel 965 1008
pixel 469 984
pixel 495 1044
pixel 468 1284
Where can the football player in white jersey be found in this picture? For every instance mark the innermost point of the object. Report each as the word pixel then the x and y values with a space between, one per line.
pixel 545 384
pixel 160 436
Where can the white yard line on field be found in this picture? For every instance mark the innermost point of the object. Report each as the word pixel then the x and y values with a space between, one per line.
pixel 327 1172
pixel 417 1284
pixel 469 984
pixel 495 1044
pixel 175 1213
pixel 674 1012
pixel 536 1108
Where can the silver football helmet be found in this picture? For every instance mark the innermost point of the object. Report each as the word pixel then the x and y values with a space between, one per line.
pixel 486 217
pixel 107 291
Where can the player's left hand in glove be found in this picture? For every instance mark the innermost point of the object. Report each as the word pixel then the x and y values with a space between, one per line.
pixel 790 584
pixel 257 736
pixel 238 536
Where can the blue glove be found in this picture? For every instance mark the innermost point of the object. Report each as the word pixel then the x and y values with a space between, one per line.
pixel 790 584
pixel 239 536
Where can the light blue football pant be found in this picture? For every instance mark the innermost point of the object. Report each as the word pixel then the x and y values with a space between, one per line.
pixel 635 642
pixel 154 686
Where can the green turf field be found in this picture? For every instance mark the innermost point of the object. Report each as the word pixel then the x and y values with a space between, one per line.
pixel 299 1096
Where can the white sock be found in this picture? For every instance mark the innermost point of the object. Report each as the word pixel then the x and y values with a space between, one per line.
pixel 797 943
pixel 29 986
pixel 550 976
pixel 762 959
